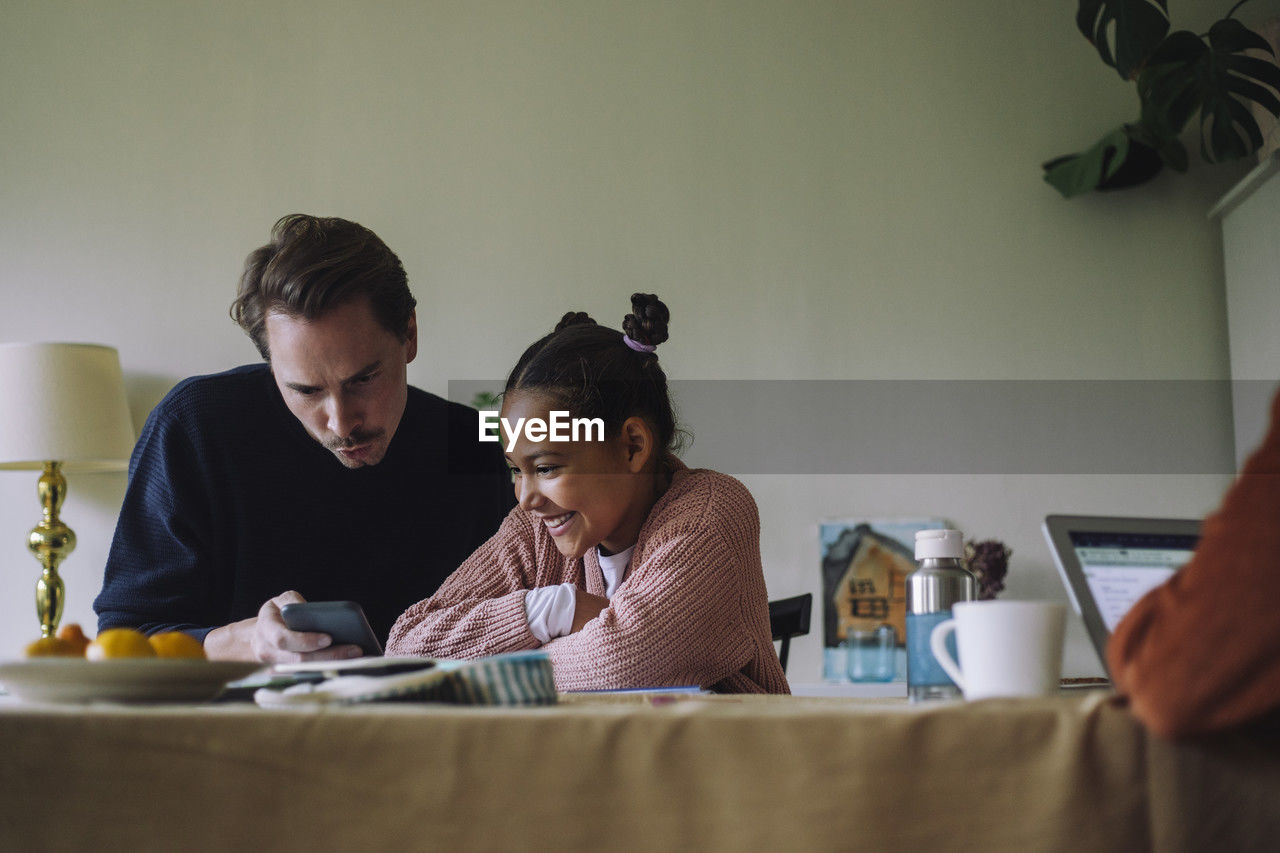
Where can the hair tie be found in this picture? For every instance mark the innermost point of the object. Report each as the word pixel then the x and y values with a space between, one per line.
pixel 637 346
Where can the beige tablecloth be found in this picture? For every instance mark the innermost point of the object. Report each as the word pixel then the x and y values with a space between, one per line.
pixel 716 773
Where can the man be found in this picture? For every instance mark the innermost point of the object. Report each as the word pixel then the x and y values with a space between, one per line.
pixel 319 475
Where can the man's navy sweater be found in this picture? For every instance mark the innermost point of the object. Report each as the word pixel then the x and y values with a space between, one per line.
pixel 230 502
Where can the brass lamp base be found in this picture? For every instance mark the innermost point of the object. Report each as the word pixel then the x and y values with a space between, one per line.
pixel 51 541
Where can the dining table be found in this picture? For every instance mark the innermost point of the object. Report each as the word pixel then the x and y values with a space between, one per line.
pixel 670 772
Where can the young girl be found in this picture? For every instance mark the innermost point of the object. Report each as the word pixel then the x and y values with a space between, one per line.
pixel 628 568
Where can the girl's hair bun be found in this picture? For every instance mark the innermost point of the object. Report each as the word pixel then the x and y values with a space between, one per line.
pixel 574 318
pixel 648 322
pixel 597 372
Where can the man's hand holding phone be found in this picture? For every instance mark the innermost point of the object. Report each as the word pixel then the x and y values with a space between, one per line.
pixel 267 638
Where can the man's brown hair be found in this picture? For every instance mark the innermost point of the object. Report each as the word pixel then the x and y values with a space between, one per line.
pixel 315 264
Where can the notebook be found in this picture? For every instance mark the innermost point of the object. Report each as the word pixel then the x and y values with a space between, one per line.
pixel 1107 563
pixel 517 678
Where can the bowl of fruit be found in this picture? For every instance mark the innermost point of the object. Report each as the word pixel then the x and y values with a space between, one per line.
pixel 119 665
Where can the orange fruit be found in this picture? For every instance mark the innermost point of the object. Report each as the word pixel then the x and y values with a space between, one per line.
pixel 120 643
pixel 53 647
pixel 175 644
pixel 72 634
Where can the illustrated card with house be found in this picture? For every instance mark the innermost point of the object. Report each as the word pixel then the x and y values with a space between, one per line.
pixel 864 569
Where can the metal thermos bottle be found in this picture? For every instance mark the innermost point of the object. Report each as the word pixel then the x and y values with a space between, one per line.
pixel 940 581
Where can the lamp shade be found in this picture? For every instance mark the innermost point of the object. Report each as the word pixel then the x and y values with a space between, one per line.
pixel 63 403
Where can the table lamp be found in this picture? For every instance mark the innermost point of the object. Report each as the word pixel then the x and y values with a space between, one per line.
pixel 64 409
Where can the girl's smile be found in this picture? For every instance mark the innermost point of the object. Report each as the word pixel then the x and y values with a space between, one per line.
pixel 557 525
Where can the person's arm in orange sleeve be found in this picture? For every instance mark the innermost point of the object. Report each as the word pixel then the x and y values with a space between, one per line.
pixel 1202 651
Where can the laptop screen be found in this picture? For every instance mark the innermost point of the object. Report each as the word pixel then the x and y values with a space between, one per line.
pixel 1120 568
pixel 1108 563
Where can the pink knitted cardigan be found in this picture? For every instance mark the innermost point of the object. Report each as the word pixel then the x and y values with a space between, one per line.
pixel 692 608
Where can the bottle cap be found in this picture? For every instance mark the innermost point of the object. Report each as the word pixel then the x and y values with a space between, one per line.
pixel 939 544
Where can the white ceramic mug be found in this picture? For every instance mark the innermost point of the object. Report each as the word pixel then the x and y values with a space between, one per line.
pixel 1006 648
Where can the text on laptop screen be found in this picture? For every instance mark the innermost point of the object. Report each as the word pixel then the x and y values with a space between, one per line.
pixel 1122 567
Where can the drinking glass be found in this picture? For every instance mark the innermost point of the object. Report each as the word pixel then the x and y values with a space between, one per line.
pixel 870 654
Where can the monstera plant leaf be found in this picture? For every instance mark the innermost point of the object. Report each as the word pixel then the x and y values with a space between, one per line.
pixel 1137 27
pixel 1080 173
pixel 1122 158
pixel 1185 74
pixel 1178 76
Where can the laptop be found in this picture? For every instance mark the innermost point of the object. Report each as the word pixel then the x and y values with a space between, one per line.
pixel 1108 563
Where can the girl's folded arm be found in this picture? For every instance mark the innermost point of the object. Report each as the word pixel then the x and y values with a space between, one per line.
pixel 479 609
pixel 677 621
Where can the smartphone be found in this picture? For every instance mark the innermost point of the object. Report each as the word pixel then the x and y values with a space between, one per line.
pixel 344 621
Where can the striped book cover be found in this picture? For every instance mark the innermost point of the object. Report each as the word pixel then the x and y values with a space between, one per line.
pixel 519 678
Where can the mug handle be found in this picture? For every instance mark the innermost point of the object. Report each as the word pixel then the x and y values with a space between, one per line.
pixel 938 645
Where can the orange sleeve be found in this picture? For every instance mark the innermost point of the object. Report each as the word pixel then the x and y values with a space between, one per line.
pixel 1202 651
